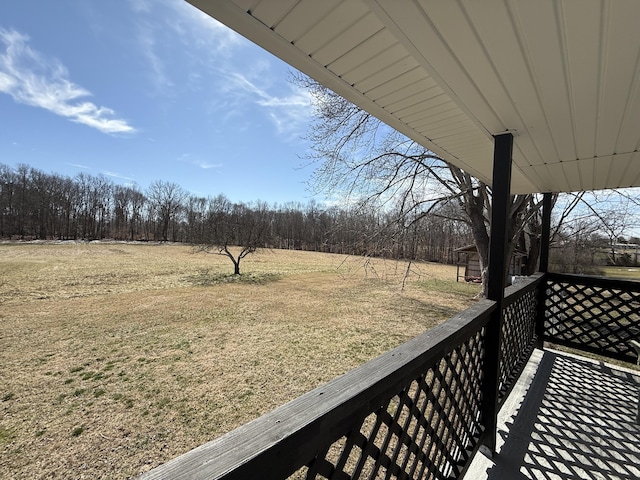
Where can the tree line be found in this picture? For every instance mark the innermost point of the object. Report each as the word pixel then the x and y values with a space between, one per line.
pixel 35 205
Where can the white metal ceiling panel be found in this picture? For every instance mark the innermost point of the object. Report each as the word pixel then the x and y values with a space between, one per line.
pixel 250 5
pixel 366 54
pixel 474 67
pixel 413 76
pixel 421 109
pixel 622 169
pixel 633 174
pixel 436 115
pixel 335 23
pixel 393 72
pixel 562 75
pixel 418 99
pixel 545 56
pixel 377 63
pixel 628 139
pixel 408 93
pixel 532 175
pixel 301 18
pixel 516 96
pixel 457 129
pixel 620 62
pixel 269 13
pixel 468 140
pixel 350 38
pixel 458 121
pixel 583 66
pixel 558 178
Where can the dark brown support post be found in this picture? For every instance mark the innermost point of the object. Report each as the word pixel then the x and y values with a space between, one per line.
pixel 544 266
pixel 500 202
pixel 546 233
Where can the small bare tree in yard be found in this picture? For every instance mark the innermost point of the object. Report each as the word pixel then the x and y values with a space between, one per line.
pixel 237 230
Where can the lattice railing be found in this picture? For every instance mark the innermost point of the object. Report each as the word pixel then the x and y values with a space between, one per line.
pixel 593 314
pixel 518 332
pixel 426 431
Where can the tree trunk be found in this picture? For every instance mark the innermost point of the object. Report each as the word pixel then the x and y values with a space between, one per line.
pixel 475 211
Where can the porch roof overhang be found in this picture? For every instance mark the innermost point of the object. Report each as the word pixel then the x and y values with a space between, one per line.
pixel 562 76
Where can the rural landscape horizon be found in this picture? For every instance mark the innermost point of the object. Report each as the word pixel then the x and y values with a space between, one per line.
pixel 118 356
pixel 126 339
pixel 193 233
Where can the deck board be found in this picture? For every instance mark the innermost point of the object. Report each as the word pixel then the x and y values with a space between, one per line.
pixel 568 418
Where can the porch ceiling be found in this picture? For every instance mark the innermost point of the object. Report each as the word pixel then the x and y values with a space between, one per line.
pixel 562 76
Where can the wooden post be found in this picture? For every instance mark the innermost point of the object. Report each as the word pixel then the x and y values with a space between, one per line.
pixel 546 233
pixel 544 267
pixel 501 189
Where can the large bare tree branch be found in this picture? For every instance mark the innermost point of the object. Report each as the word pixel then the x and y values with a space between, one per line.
pixel 360 157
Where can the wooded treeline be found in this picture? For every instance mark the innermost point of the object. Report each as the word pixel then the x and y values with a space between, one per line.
pixel 35 205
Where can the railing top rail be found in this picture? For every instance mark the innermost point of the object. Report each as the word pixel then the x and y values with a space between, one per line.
pixel 595 280
pixel 513 292
pixel 278 443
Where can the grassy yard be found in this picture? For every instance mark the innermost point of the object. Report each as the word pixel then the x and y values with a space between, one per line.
pixel 626 273
pixel 115 358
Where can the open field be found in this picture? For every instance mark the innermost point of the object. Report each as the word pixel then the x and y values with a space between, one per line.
pixel 626 273
pixel 115 358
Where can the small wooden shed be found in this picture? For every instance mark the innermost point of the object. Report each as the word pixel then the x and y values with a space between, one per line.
pixel 468 258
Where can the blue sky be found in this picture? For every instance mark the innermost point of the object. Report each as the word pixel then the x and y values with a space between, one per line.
pixel 144 90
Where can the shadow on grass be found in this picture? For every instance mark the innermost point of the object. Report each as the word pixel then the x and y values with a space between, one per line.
pixel 205 278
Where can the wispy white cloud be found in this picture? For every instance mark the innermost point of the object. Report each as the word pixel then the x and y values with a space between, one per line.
pixel 78 165
pixel 148 48
pixel 116 175
pixel 106 173
pixel 140 5
pixel 198 162
pixel 217 65
pixel 202 30
pixel 291 114
pixel 33 79
pixel 289 111
pixel 207 165
pixel 203 40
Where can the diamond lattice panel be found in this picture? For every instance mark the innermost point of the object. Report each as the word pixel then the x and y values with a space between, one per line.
pixel 423 432
pixel 518 337
pixel 596 318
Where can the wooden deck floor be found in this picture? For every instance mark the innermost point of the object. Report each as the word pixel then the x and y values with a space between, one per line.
pixel 568 418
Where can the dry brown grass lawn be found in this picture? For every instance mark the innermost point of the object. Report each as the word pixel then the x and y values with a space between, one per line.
pixel 115 358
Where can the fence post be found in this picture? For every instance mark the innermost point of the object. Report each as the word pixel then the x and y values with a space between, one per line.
pixel 545 242
pixel 501 189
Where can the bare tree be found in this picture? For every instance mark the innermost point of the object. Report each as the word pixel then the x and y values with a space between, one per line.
pixel 577 242
pixel 237 230
pixel 166 199
pixel 604 216
pixel 94 204
pixel 360 159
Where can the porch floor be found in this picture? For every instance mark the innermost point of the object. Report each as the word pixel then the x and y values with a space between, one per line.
pixel 567 418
